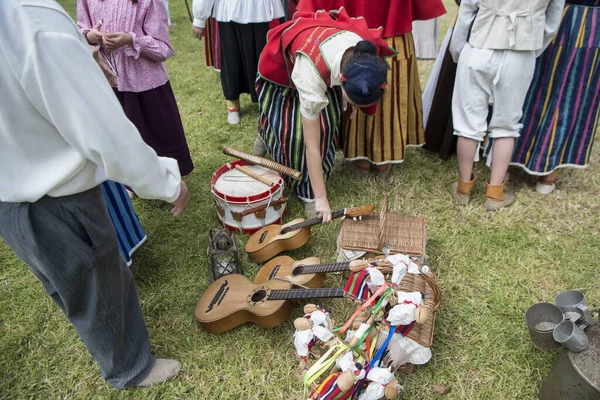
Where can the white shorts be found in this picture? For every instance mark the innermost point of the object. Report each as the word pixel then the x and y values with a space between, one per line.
pixel 491 77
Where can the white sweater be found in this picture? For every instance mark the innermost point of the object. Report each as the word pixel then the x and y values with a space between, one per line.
pixel 240 11
pixel 62 129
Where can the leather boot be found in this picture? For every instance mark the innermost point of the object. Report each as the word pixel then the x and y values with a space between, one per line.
pixel 461 190
pixel 496 198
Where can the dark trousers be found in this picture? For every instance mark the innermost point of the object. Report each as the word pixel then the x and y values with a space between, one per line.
pixel 241 45
pixel 71 247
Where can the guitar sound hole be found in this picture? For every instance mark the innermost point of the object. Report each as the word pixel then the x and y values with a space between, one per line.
pixel 258 296
pixel 298 270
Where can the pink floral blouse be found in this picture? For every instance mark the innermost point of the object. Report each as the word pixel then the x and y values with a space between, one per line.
pixel 140 67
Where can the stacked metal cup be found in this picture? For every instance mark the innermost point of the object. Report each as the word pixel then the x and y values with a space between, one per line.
pixel 552 326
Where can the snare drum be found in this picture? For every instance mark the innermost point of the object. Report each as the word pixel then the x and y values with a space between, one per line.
pixel 243 203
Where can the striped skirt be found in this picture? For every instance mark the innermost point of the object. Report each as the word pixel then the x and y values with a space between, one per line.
pixel 280 128
pixel 561 108
pixel 382 138
pixel 129 230
pixel 212 44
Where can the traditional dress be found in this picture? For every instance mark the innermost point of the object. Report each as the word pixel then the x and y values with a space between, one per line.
pixel 130 233
pixel 497 41
pixel 243 27
pixel 437 101
pixel 561 109
pixel 143 84
pixel 298 75
pixel 382 138
pixel 212 44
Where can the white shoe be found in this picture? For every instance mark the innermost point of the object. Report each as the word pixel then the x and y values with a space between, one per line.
pixel 544 189
pixel 259 147
pixel 310 209
pixel 233 117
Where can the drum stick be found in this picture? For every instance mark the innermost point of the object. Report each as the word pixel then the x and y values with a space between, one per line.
pixel 254 175
pixel 272 165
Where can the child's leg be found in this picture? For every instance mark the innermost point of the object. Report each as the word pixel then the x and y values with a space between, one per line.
pixel 509 90
pixel 501 155
pixel 466 149
pixel 470 107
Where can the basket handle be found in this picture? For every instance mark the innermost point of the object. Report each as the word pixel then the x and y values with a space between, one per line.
pixel 382 218
pixel 437 294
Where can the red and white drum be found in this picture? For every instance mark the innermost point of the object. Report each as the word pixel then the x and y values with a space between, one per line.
pixel 245 204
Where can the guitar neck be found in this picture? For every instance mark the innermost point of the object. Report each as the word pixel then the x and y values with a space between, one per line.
pixel 324 268
pixel 301 294
pixel 311 222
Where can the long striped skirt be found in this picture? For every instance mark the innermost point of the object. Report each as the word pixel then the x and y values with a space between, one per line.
pixel 561 109
pixel 382 138
pixel 280 128
pixel 212 44
pixel 130 233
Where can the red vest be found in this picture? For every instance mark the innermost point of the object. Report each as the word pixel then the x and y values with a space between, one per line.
pixel 395 16
pixel 304 34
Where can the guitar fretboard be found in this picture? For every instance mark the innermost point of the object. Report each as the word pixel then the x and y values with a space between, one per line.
pixel 310 222
pixel 324 268
pixel 299 294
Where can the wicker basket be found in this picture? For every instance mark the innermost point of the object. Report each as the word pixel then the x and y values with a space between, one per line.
pixel 378 234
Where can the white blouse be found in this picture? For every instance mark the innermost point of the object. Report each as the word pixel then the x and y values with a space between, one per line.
pixel 309 83
pixel 240 11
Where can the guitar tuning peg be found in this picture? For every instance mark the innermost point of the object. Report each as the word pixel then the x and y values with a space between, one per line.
pixel 360 218
pixel 353 218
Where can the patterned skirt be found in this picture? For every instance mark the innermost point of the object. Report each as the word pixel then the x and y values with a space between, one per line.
pixel 130 233
pixel 212 44
pixel 561 109
pixel 382 138
pixel 280 128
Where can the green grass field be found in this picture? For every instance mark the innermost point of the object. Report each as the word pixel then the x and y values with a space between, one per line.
pixel 490 267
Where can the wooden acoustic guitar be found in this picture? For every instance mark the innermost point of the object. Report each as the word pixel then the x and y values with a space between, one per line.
pixel 273 239
pixel 308 272
pixel 233 300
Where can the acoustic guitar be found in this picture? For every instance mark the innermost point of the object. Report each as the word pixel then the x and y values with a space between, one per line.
pixel 308 272
pixel 233 300
pixel 273 239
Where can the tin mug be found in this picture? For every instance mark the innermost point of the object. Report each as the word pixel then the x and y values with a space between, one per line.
pixel 572 303
pixel 572 337
pixel 541 319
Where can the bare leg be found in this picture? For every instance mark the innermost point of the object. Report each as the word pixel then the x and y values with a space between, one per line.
pixel 501 155
pixel 466 153
pixel 363 165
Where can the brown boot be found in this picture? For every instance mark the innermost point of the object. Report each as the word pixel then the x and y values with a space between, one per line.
pixel 461 190
pixel 496 198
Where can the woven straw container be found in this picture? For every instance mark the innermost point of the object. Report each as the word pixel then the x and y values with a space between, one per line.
pixel 385 233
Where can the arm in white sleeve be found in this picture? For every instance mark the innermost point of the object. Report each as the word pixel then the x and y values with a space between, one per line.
pixel 311 88
pixel 553 17
pixel 202 10
pixel 68 88
pixel 466 16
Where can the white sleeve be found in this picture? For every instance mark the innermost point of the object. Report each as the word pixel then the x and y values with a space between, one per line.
pixel 553 17
pixel 67 87
pixel 466 15
pixel 311 88
pixel 202 10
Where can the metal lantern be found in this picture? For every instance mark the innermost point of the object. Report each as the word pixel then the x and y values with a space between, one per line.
pixel 223 253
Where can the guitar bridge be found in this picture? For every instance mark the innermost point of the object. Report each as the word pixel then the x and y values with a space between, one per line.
pixel 262 237
pixel 219 296
pixel 274 272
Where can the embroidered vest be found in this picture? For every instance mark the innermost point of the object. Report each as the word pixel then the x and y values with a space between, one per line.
pixel 304 34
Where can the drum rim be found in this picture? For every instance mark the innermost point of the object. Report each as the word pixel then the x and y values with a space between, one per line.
pixel 241 199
